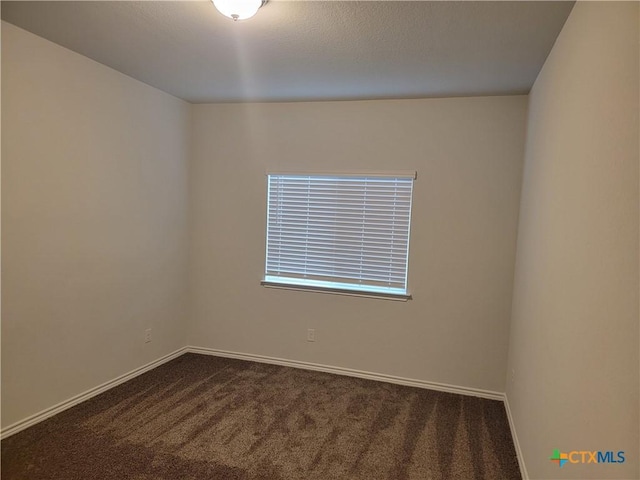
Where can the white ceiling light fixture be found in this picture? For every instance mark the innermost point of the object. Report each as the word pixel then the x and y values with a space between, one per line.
pixel 238 9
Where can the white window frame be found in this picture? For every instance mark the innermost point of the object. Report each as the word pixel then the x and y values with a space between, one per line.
pixel 396 210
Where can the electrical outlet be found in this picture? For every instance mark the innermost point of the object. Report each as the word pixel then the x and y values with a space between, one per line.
pixel 147 335
pixel 311 335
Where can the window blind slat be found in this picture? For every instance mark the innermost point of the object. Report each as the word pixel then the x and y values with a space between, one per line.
pixel 344 237
pixel 394 281
pixel 310 264
pixel 301 251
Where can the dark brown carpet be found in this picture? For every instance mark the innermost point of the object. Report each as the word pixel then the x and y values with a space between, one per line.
pixel 201 417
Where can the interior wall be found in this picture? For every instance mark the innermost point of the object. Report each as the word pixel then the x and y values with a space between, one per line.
pixel 573 358
pixel 468 155
pixel 94 223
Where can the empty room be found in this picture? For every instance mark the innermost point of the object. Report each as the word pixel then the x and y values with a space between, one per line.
pixel 287 240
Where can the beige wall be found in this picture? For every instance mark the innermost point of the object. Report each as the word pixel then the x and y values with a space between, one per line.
pixel 574 334
pixel 468 155
pixel 94 197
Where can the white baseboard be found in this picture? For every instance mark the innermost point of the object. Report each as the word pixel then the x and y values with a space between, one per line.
pixel 516 443
pixel 441 387
pixel 73 401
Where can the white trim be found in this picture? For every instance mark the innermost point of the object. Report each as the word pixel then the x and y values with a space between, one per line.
pixel 441 387
pixel 397 297
pixel 73 401
pixel 516 443
pixel 349 173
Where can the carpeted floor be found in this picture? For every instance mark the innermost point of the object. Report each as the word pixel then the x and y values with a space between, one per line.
pixel 208 418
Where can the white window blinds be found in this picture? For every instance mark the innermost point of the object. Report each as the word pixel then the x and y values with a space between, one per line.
pixel 339 232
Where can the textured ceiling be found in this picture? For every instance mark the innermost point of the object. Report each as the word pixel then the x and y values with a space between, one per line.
pixel 308 50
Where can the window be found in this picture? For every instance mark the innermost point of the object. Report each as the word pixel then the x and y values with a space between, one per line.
pixel 341 233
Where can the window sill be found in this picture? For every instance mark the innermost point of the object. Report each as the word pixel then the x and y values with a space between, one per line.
pixel 338 291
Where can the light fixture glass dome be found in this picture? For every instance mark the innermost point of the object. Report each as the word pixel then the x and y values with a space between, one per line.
pixel 238 9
